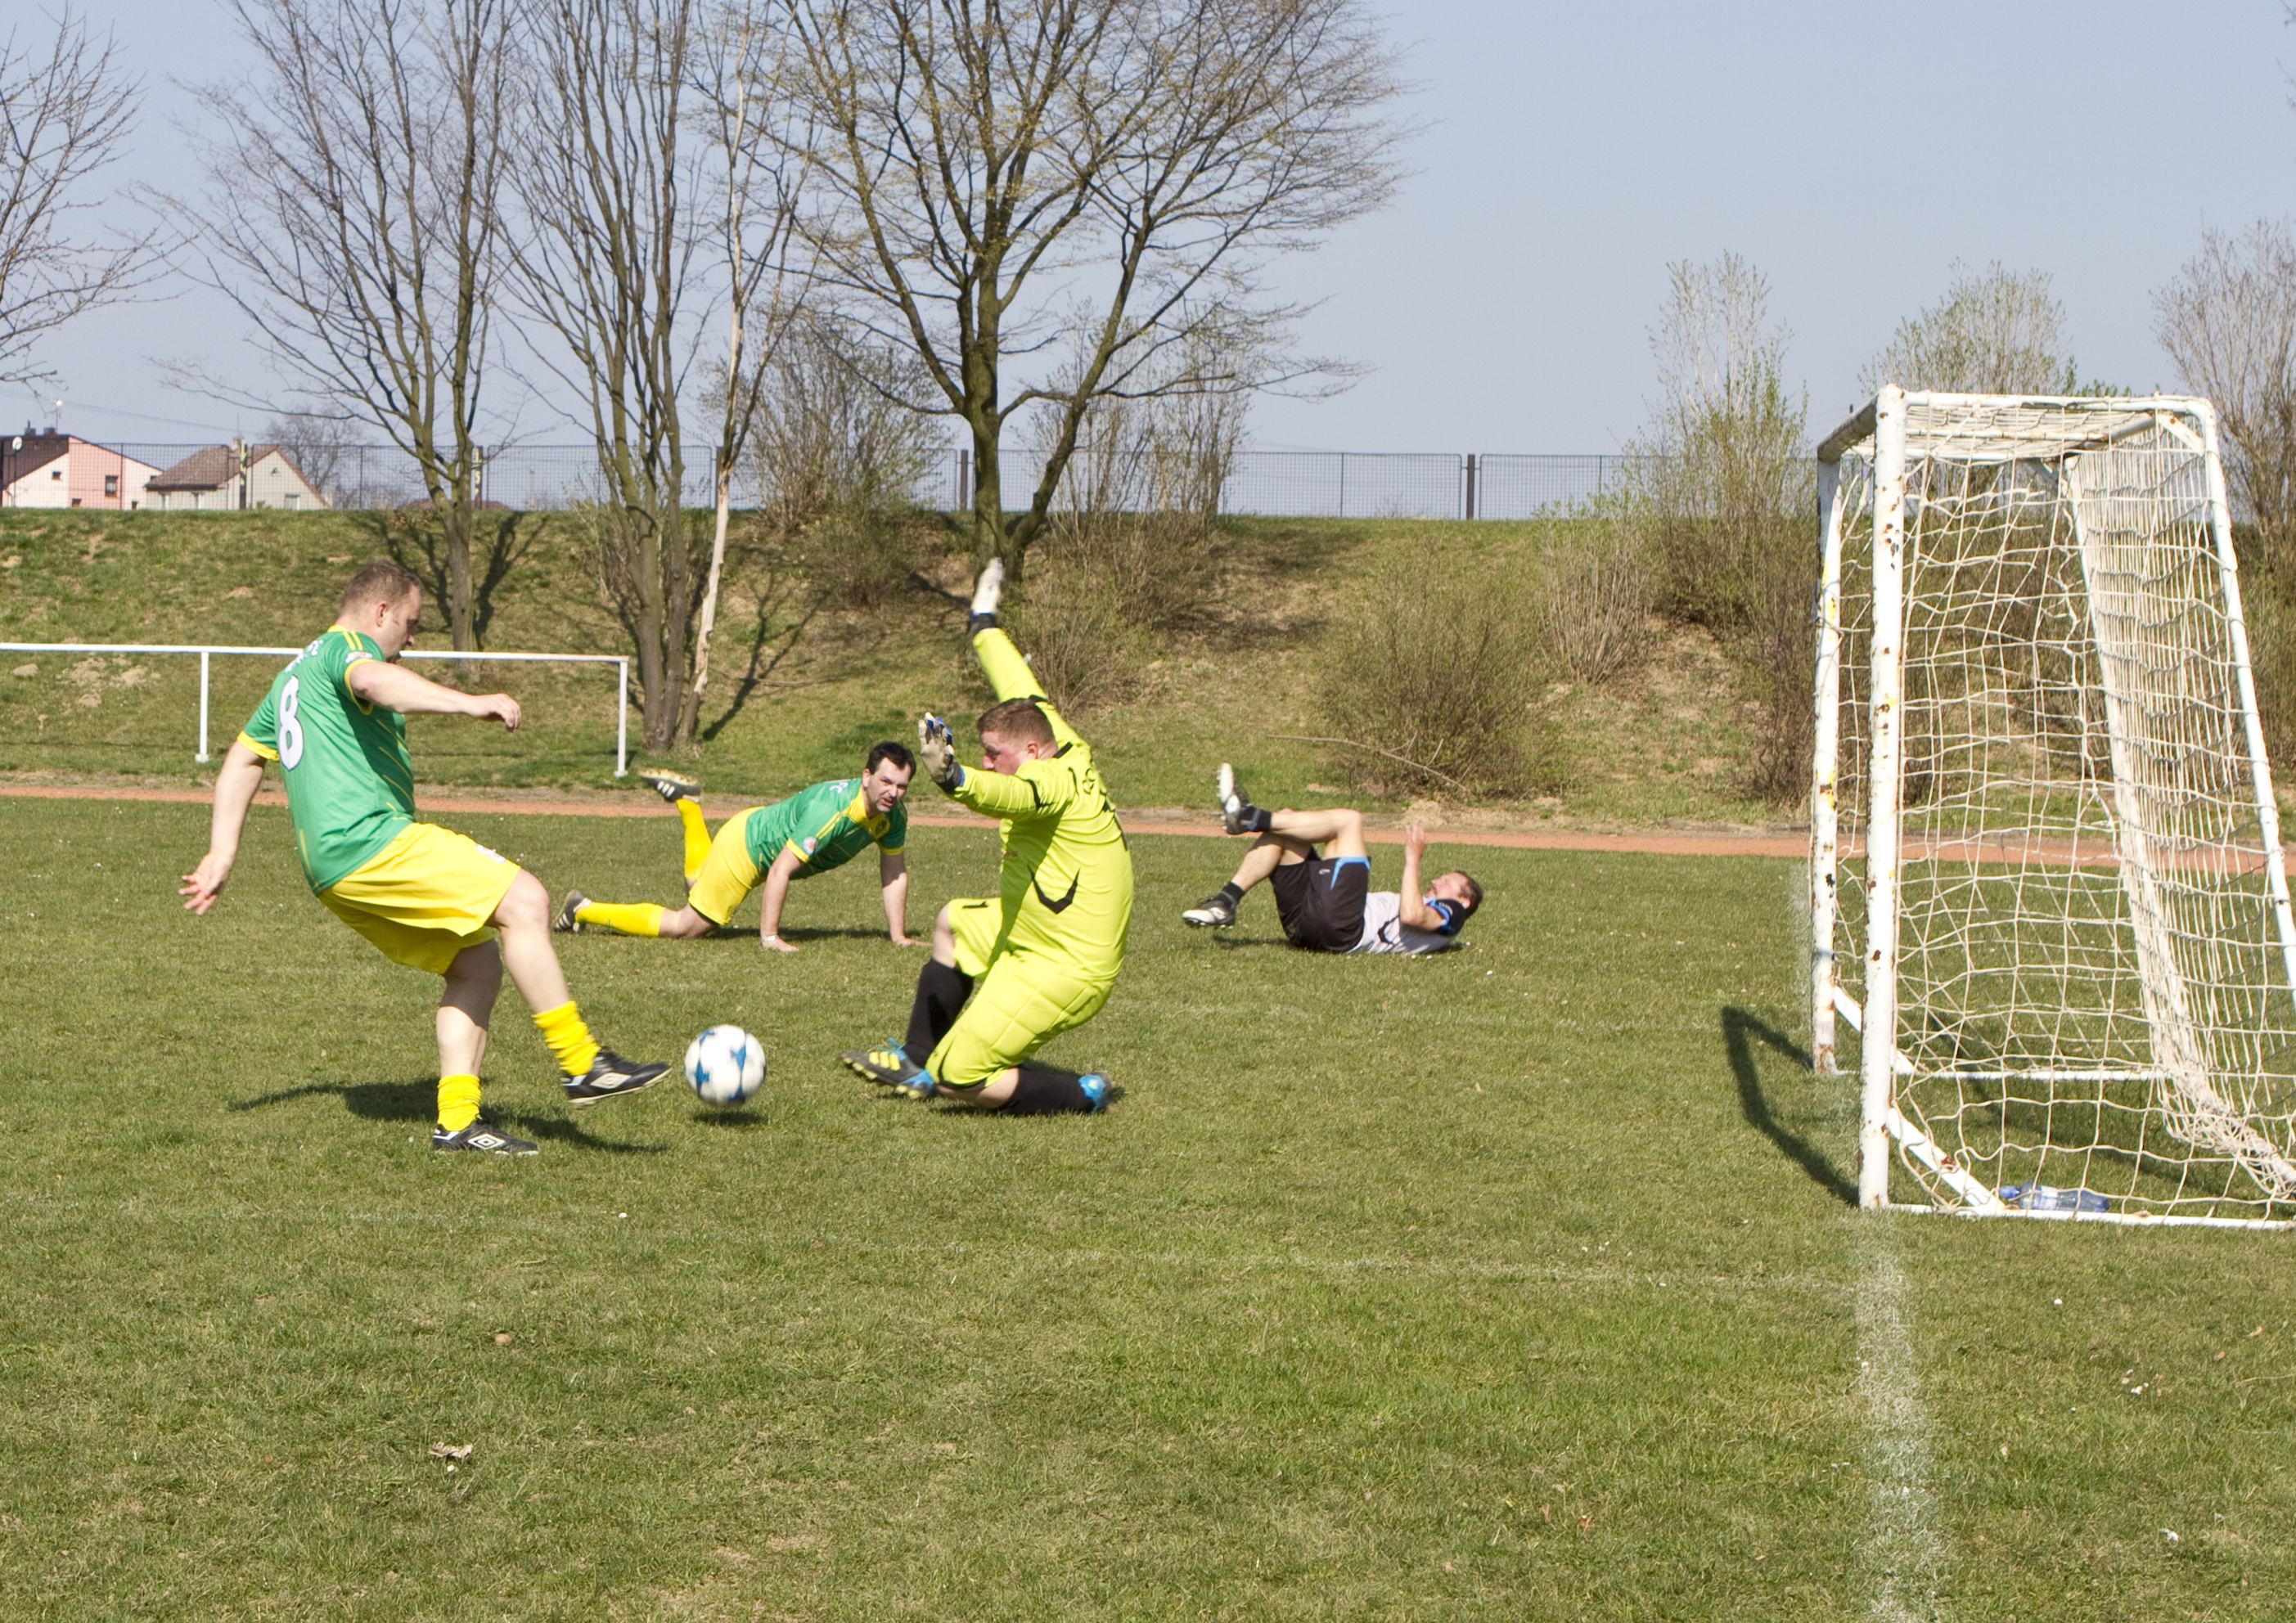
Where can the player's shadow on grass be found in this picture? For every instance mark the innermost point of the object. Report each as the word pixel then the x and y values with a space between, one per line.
pixel 803 932
pixel 1741 1032
pixel 416 1101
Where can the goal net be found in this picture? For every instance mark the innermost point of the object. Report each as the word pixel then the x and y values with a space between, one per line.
pixel 2047 887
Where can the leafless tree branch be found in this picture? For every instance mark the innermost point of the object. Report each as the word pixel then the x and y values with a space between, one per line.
pixel 988 164
pixel 354 166
pixel 67 108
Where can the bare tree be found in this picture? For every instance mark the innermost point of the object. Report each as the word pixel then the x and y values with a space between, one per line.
pixel 604 253
pixel 1718 488
pixel 986 164
pixel 314 442
pixel 354 169
pixel 759 162
pixel 1995 332
pixel 2228 321
pixel 65 110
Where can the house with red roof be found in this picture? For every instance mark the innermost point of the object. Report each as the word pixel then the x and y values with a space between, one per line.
pixel 231 476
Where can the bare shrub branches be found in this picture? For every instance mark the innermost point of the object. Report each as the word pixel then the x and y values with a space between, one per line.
pixel 1719 492
pixel 2228 321
pixel 1996 331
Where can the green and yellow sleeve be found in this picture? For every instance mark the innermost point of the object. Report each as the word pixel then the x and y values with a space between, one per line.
pixel 261 732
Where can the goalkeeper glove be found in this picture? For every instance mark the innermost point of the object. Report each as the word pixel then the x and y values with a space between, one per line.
pixel 936 750
pixel 986 591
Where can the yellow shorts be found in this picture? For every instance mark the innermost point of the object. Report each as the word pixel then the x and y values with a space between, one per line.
pixel 727 875
pixel 424 897
pixel 975 923
pixel 1022 1000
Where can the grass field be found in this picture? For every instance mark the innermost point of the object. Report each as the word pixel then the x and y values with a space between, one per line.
pixel 1518 1285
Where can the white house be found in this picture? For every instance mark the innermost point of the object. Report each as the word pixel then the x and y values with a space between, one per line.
pixel 236 475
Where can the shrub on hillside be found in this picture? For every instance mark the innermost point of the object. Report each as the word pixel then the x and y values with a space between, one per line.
pixel 2272 655
pixel 857 555
pixel 1083 645
pixel 1433 685
pixel 1155 569
pixel 1595 605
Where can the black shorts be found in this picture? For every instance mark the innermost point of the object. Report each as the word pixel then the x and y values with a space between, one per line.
pixel 1321 901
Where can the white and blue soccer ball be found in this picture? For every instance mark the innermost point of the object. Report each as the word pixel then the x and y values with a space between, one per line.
pixel 726 1065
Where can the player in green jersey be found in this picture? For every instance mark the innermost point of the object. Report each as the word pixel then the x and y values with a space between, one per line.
pixel 1009 971
pixel 771 847
pixel 335 720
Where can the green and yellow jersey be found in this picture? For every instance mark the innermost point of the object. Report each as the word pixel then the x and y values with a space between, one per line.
pixel 827 825
pixel 350 787
pixel 1065 883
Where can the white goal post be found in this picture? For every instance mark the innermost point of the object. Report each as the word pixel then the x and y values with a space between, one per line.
pixel 209 652
pixel 2046 890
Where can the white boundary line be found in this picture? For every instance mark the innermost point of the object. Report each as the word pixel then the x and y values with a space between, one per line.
pixel 1900 1546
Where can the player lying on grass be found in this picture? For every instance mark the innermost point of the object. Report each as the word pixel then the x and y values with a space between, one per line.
pixel 1326 901
pixel 424 896
pixel 1009 971
pixel 769 847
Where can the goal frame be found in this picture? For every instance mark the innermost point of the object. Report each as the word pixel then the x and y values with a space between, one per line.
pixel 1879 432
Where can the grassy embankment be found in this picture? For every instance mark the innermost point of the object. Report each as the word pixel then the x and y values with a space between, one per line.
pixel 1237 683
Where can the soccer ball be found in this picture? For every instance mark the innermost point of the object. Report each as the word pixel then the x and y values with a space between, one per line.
pixel 726 1065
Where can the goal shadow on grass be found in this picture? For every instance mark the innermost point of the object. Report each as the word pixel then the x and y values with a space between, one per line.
pixel 1742 1035
pixel 417 1102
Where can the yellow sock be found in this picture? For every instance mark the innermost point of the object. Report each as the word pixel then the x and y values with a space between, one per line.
pixel 570 1042
pixel 629 918
pixel 697 837
pixel 458 1101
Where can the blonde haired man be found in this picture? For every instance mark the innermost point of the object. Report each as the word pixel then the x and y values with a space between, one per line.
pixel 335 720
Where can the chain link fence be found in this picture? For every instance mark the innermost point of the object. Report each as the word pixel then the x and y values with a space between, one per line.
pixel 1272 484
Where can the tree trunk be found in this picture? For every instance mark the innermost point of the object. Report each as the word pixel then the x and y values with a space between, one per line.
pixel 692 719
pixel 659 713
pixel 461 623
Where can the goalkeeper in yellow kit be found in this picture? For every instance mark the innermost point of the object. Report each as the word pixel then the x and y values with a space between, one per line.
pixel 1012 970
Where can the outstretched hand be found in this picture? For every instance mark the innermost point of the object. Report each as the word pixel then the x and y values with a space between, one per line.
pixel 1414 838
pixel 204 883
pixel 937 751
pixel 497 707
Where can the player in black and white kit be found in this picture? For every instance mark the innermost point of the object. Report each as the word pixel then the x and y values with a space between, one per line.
pixel 1317 864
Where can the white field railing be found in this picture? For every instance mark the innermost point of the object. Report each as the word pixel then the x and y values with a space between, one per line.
pixel 208 651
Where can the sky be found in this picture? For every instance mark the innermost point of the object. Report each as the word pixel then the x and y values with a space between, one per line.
pixel 1566 155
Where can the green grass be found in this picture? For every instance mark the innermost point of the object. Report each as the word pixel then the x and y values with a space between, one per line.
pixel 1518 1285
pixel 1238 684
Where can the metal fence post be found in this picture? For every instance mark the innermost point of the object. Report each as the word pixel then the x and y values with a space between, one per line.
pixel 622 720
pixel 1469 503
pixel 202 755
